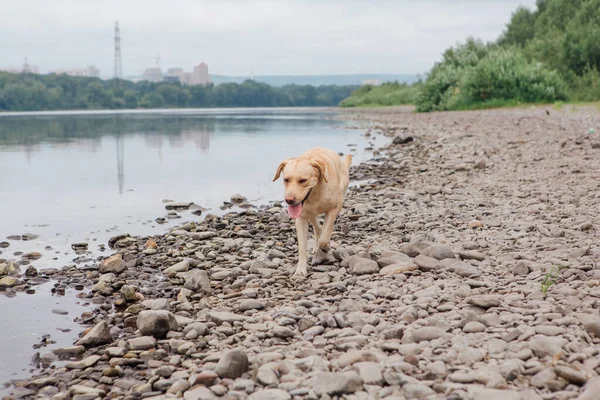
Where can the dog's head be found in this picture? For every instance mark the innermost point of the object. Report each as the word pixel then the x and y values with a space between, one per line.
pixel 300 176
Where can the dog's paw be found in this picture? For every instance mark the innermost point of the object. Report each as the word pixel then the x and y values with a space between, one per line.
pixel 324 246
pixel 314 250
pixel 301 271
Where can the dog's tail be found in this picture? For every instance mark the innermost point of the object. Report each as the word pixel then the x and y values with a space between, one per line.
pixel 348 161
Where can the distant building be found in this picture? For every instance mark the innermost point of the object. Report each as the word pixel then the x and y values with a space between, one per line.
pixel 90 71
pixel 186 78
pixel 93 72
pixel 153 74
pixel 178 72
pixel 200 75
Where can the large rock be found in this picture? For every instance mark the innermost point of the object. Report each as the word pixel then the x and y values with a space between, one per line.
pixel 543 346
pixel 197 281
pixel 141 343
pixel 487 301
pixel 427 263
pixel 438 251
pixel 232 364
pixel 156 323
pixel 270 394
pixel 114 264
pixel 9 268
pixel 334 383
pixel 428 333
pixel 9 281
pixel 99 335
pixel 465 270
pixel 591 390
pixel 362 266
pixel 182 266
pixel 198 393
pixel 397 268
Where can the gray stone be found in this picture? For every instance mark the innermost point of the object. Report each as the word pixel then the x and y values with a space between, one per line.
pixel 270 394
pixel 98 335
pixel 362 266
pixel 497 394
pixel 156 323
pixel 426 263
pixel 543 378
pixel 571 375
pixel 197 281
pixel 335 383
pixel 474 327
pixel 266 375
pixel 486 302
pixel 218 317
pixel 114 264
pixel 428 333
pixel 173 270
pixel 232 364
pixel 369 372
pixel 397 268
pixel 465 270
pixel 543 346
pixel 251 304
pixel 85 363
pixel 199 393
pixel 591 390
pixel 142 343
pixel 417 391
pixel 438 251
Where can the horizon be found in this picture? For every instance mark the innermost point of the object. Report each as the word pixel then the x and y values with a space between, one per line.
pixel 235 38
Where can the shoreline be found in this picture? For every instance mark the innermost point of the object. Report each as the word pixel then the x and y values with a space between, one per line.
pixel 401 305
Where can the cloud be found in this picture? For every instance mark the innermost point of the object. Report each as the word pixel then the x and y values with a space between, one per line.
pixel 236 37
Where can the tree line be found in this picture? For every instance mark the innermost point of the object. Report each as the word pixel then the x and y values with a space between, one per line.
pixel 545 55
pixel 33 92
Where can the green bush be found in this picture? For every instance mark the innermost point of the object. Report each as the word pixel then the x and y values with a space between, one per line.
pixel 473 73
pixel 505 74
pixel 388 94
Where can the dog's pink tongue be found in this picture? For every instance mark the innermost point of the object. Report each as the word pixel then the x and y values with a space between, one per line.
pixel 295 210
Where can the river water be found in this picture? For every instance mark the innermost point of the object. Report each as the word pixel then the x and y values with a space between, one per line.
pixel 86 176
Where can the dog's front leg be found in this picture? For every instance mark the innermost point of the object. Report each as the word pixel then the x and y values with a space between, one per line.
pixel 327 229
pixel 302 233
pixel 317 228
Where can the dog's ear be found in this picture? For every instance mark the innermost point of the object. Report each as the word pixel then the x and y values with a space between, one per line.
pixel 279 170
pixel 321 167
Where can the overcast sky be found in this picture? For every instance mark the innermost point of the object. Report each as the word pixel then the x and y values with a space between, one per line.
pixel 235 37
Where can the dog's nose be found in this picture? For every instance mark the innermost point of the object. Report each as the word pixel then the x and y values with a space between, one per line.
pixel 289 200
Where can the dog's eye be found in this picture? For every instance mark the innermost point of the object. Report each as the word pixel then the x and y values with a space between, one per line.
pixel 302 181
pixel 286 180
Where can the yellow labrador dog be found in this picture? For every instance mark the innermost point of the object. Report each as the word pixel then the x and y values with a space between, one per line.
pixel 315 183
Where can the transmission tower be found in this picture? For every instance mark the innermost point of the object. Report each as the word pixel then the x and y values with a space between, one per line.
pixel 118 67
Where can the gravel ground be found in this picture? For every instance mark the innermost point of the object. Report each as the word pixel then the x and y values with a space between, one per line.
pixel 463 267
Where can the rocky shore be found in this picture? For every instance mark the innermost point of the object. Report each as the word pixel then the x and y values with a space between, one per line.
pixel 463 267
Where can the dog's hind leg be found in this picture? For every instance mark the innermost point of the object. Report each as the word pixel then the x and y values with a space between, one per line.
pixel 302 232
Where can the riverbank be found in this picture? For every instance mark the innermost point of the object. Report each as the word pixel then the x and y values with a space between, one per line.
pixel 447 279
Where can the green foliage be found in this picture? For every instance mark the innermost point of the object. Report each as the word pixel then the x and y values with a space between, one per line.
pixel 29 92
pixel 546 55
pixel 521 28
pixel 549 278
pixel 388 94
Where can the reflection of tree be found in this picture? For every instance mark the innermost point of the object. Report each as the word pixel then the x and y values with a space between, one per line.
pixel 26 133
